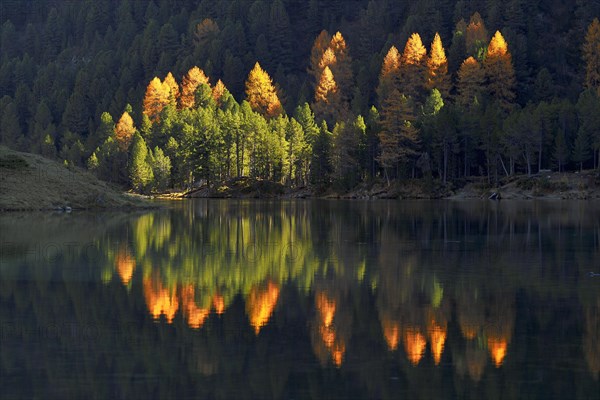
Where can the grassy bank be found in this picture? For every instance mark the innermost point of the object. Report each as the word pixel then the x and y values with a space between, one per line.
pixel 32 182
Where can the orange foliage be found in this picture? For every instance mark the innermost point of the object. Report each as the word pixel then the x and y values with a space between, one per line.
pixel 391 332
pixel 157 97
pixel 414 51
pixel 196 316
pixel 173 87
pixel 437 67
pixel 218 91
pixel 333 343
pixel 497 347
pixel 159 300
pixel 326 88
pixel 500 72
pixel 190 82
pixel 124 131
pixel 260 305
pixel 261 93
pixel 327 59
pixel 125 264
pixel 470 82
pixel 319 47
pixel 389 73
pixel 476 34
pixel 414 344
pixel 437 337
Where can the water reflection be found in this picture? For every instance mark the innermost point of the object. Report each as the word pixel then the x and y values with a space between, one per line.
pixel 424 299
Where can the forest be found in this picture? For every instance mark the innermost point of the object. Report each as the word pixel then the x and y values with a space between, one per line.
pixel 175 93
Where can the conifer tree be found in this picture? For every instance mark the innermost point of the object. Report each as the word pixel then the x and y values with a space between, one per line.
pixel 157 97
pixel 173 88
pixel 124 131
pixel 476 36
pixel 140 172
pixel 342 67
pixel 261 93
pixel 469 85
pixel 190 82
pixel 389 74
pixel 437 68
pixel 591 56
pixel 413 68
pixel 328 104
pixel 500 72
pixel 320 45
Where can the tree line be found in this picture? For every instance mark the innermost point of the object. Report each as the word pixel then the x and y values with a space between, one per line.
pixel 474 110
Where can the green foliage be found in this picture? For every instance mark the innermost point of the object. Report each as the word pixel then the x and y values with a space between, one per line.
pixel 140 170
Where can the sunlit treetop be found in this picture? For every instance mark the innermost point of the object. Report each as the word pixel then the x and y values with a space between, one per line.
pixel 320 45
pixel 173 86
pixel 261 93
pixel 326 87
pixel 327 59
pixel 190 82
pixel 498 46
pixel 338 44
pixel 414 51
pixel 124 131
pixel 437 67
pixel 391 62
pixel 437 54
pixel 157 97
pixel 218 91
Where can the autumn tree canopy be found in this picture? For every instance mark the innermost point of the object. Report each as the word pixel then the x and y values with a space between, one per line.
pixel 261 93
pixel 470 81
pixel 124 131
pixel 157 96
pixel 190 82
pixel 437 68
pixel 500 72
pixel 389 74
pixel 591 55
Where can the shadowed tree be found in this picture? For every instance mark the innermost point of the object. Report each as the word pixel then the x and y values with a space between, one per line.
pixel 389 74
pixel 591 56
pixel 469 85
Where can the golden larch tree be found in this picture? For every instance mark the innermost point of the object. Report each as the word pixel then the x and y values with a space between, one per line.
pixel 124 131
pixel 190 82
pixel 500 72
pixel 469 84
pixel 261 93
pixel 156 98
pixel 327 103
pixel 218 91
pixel 437 68
pixel 342 67
pixel 327 60
pixel 591 55
pixel 476 35
pixel 173 87
pixel 389 74
pixel 412 68
pixel 319 47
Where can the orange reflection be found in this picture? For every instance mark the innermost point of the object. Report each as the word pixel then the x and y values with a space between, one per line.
pixel 391 332
pixel 334 344
pixel 437 337
pixel 219 304
pixel 159 300
pixel 125 264
pixel 260 304
pixel 195 315
pixel 414 344
pixel 497 347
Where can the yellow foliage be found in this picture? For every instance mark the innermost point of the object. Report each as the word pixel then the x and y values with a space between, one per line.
pixel 261 93
pixel 326 87
pixel 124 131
pixel 414 51
pixel 190 82
pixel 327 59
pixel 173 87
pixel 437 67
pixel 218 91
pixel 156 98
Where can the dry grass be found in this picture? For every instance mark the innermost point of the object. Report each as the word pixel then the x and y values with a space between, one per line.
pixel 32 182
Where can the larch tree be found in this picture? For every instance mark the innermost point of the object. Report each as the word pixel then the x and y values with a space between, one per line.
pixel 124 131
pixel 261 93
pixel 591 56
pixel 476 36
pixel 500 72
pixel 218 91
pixel 437 68
pixel 389 74
pixel 327 103
pixel 342 67
pixel 327 60
pixel 190 82
pixel 173 87
pixel 469 84
pixel 320 45
pixel 412 68
pixel 156 98
pixel 399 139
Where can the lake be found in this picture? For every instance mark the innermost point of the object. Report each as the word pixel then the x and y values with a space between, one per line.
pixel 228 299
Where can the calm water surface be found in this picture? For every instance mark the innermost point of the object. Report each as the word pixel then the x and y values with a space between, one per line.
pixel 303 299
